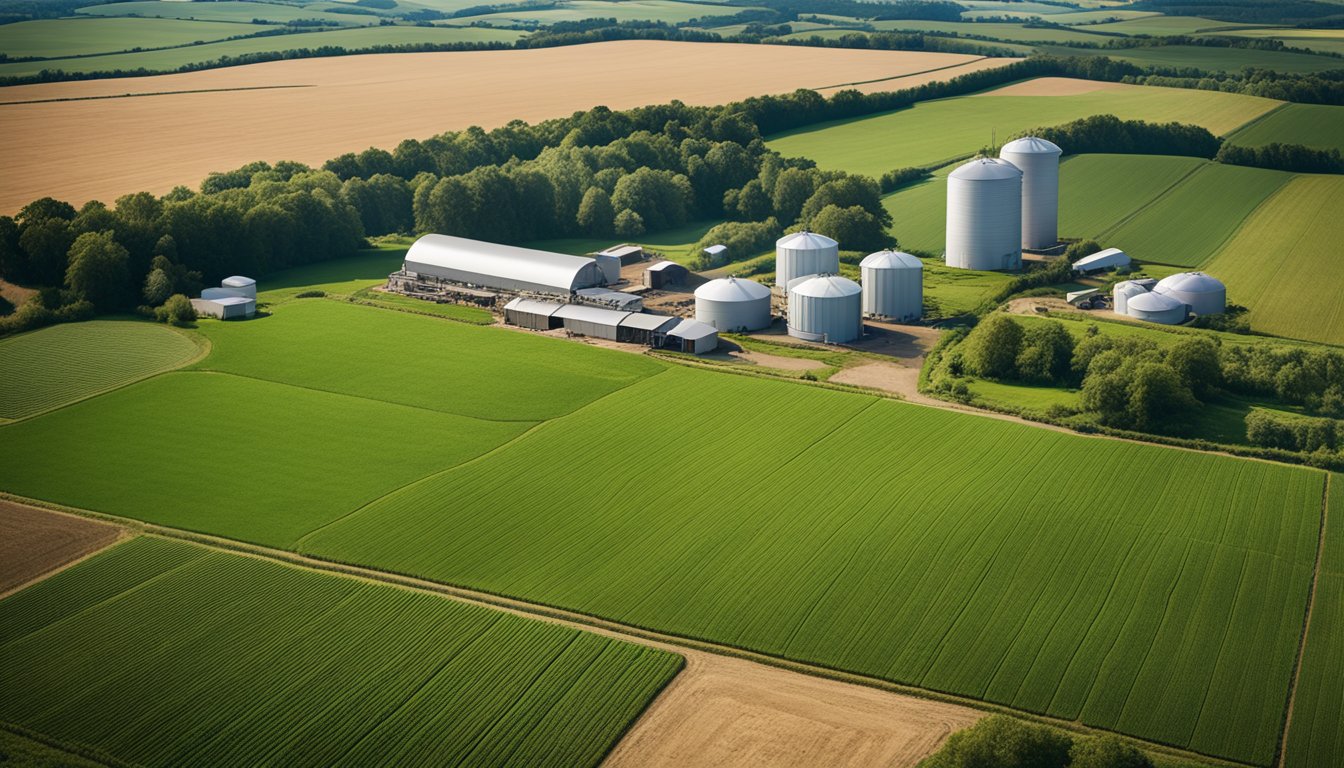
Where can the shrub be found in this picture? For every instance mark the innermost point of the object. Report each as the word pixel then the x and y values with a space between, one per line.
pixel 999 741
pixel 1047 352
pixel 176 310
pixel 992 348
pixel 1106 752
pixel 310 294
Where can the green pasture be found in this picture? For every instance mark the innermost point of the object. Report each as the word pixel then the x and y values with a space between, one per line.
pixel 1318 40
pixel 1164 26
pixel 919 213
pixel 960 567
pixel 675 243
pixel 1010 32
pixel 1315 739
pixel 1096 192
pixel 997 7
pixel 340 277
pixel 1188 223
pixel 50 367
pixel 223 10
pixel 81 36
pixel 218 659
pixel 1208 58
pixel 1284 261
pixel 937 131
pixel 837 32
pixel 668 11
pixel 362 37
pixel 239 456
pixel 1313 125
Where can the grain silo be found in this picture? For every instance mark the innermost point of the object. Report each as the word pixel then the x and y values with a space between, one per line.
pixel 732 304
pixel 1155 308
pixel 984 215
pixel 1123 292
pixel 1038 160
pixel 893 285
pixel 805 253
pixel 826 308
pixel 1204 295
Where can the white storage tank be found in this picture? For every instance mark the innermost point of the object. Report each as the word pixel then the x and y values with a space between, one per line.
pixel 1155 308
pixel 732 304
pixel 242 286
pixel 826 308
pixel 805 253
pixel 1204 294
pixel 893 285
pixel 984 215
pixel 1123 292
pixel 1038 160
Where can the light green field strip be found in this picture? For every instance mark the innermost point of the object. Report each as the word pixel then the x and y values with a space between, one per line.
pixel 895 541
pixel 219 659
pixel 1096 192
pixel 259 461
pixel 669 11
pixel 1313 125
pixel 349 39
pixel 1208 58
pixel 224 10
pixel 53 366
pixel 53 38
pixel 338 276
pixel 1160 26
pixel 1010 32
pixel 1319 40
pixel 994 7
pixel 936 131
pixel 487 373
pixel 1284 261
pixel 1187 225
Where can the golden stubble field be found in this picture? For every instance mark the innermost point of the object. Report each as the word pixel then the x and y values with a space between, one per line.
pixel 71 141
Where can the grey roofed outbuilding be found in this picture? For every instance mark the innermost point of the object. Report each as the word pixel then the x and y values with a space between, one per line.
pixel 649 322
pixel 614 299
pixel 695 336
pixel 591 321
pixel 715 250
pixel 530 313
pixel 660 266
pixel 506 267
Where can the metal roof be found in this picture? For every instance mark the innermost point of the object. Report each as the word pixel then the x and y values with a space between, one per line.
pixel 732 289
pixel 1190 282
pixel 229 301
pixel 985 168
pixel 693 329
pixel 827 286
pixel 1110 257
pixel 1032 145
pixel 1073 296
pixel 237 281
pixel 891 260
pixel 505 261
pixel 715 250
pixel 532 306
pixel 806 241
pixel 1153 302
pixel 646 321
pixel 1129 288
pixel 589 314
pixel 660 266
pixel 622 250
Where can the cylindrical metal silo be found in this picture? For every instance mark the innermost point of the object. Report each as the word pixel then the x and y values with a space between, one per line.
pixel 984 215
pixel 893 285
pixel 826 308
pixel 1038 160
pixel 1205 295
pixel 732 304
pixel 1156 308
pixel 805 253
pixel 1122 293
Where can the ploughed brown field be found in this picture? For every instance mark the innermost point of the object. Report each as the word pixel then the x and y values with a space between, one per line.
pixel 104 138
pixel 35 541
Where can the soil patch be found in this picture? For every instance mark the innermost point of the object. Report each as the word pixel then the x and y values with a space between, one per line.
pixel 36 542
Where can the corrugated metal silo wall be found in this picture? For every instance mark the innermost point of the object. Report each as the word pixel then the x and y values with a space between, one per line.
pixel 836 319
pixel 793 263
pixel 751 315
pixel 893 293
pixel 984 223
pixel 1040 197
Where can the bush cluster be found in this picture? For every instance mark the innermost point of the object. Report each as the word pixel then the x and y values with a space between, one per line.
pixel 1000 741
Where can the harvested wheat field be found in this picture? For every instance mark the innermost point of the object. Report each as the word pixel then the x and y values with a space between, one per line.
pixel 721 712
pixel 1058 86
pixel 100 139
pixel 35 541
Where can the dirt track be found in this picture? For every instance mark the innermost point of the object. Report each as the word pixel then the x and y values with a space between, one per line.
pixel 101 148
pixel 34 542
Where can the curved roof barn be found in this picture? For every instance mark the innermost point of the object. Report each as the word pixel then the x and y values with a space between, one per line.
pixel 507 267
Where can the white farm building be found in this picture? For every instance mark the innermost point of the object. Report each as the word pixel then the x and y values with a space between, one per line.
pixel 225 307
pixel 479 264
pixel 733 304
pixel 826 308
pixel 1155 308
pixel 1111 258
pixel 1204 295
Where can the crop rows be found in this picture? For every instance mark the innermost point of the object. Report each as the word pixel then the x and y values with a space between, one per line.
pixel 1312 125
pixel 53 366
pixel 216 659
pixel 977 557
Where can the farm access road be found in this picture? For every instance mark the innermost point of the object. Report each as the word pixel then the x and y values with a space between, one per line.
pixel 100 139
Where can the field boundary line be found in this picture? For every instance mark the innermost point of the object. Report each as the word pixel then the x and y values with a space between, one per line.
pixel 122 536
pixel 1231 135
pixel 1154 201
pixel 589 622
pixel 910 74
pixel 153 93
pixel 1280 749
pixel 91 755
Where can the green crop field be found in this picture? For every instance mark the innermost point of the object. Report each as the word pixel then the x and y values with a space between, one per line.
pixel 1161 26
pixel 919 213
pixel 1313 125
pixel 937 131
pixel 1319 40
pixel 217 659
pixel 669 11
pixel 1315 739
pixel 995 7
pixel 1096 192
pixel 251 459
pixel 1003 588
pixel 401 358
pixel 1284 261
pixel 172 58
pixel 224 10
pixel 1208 58
pixel 1187 225
pixel 342 277
pixel 54 366
pixel 54 38
pixel 1009 32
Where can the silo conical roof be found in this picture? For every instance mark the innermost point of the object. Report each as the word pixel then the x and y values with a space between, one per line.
pixel 1190 282
pixel 986 168
pixel 732 289
pixel 891 260
pixel 806 241
pixel 827 286
pixel 1032 145
pixel 1153 302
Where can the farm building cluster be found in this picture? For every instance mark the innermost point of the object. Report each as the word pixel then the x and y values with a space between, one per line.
pixel 235 298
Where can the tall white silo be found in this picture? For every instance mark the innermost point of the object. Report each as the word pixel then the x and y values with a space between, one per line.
pixel 1038 160
pixel 805 253
pixel 893 285
pixel 984 215
pixel 826 308
pixel 733 304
